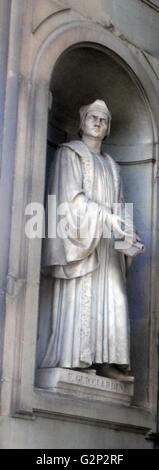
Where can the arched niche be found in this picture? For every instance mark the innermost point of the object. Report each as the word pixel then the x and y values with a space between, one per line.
pixel 82 74
pixel 25 255
pixel 85 72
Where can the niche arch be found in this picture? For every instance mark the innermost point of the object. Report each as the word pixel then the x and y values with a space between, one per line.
pixel 75 35
pixel 82 74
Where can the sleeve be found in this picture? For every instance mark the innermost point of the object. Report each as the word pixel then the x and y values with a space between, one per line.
pixel 79 220
pixel 129 243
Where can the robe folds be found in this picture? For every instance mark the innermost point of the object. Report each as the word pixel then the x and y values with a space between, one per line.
pixel 89 309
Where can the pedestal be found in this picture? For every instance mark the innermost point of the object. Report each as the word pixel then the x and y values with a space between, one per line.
pixel 83 385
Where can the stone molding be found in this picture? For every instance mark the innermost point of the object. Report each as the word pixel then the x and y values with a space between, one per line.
pixel 84 385
pixel 151 4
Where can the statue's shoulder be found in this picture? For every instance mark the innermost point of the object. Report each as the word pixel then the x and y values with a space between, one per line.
pixel 113 164
pixel 77 146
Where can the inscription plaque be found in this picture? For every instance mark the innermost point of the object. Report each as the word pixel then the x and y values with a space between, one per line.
pixel 83 385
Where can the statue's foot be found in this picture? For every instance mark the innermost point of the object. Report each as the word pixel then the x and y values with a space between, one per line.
pixel 113 373
pixel 86 370
pixel 89 371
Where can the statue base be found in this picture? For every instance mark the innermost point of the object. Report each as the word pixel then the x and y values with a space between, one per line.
pixel 84 385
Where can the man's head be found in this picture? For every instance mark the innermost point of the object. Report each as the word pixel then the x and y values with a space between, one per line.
pixel 95 120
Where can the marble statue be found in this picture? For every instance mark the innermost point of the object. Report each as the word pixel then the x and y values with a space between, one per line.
pixel 90 325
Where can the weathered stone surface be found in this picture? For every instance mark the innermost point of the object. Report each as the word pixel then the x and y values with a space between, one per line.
pixel 133 19
pixel 44 9
pixel 46 433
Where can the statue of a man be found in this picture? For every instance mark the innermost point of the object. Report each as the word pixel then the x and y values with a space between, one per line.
pixel 90 326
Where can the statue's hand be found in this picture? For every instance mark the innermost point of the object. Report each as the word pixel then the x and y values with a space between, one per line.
pixel 114 224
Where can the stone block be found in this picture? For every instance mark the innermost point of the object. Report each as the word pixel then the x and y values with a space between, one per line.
pixel 84 385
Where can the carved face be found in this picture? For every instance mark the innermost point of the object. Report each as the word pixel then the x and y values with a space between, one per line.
pixel 95 125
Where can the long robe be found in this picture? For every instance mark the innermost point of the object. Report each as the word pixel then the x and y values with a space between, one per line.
pixel 89 302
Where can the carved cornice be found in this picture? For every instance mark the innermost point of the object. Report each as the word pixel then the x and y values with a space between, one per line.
pixel 151 4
